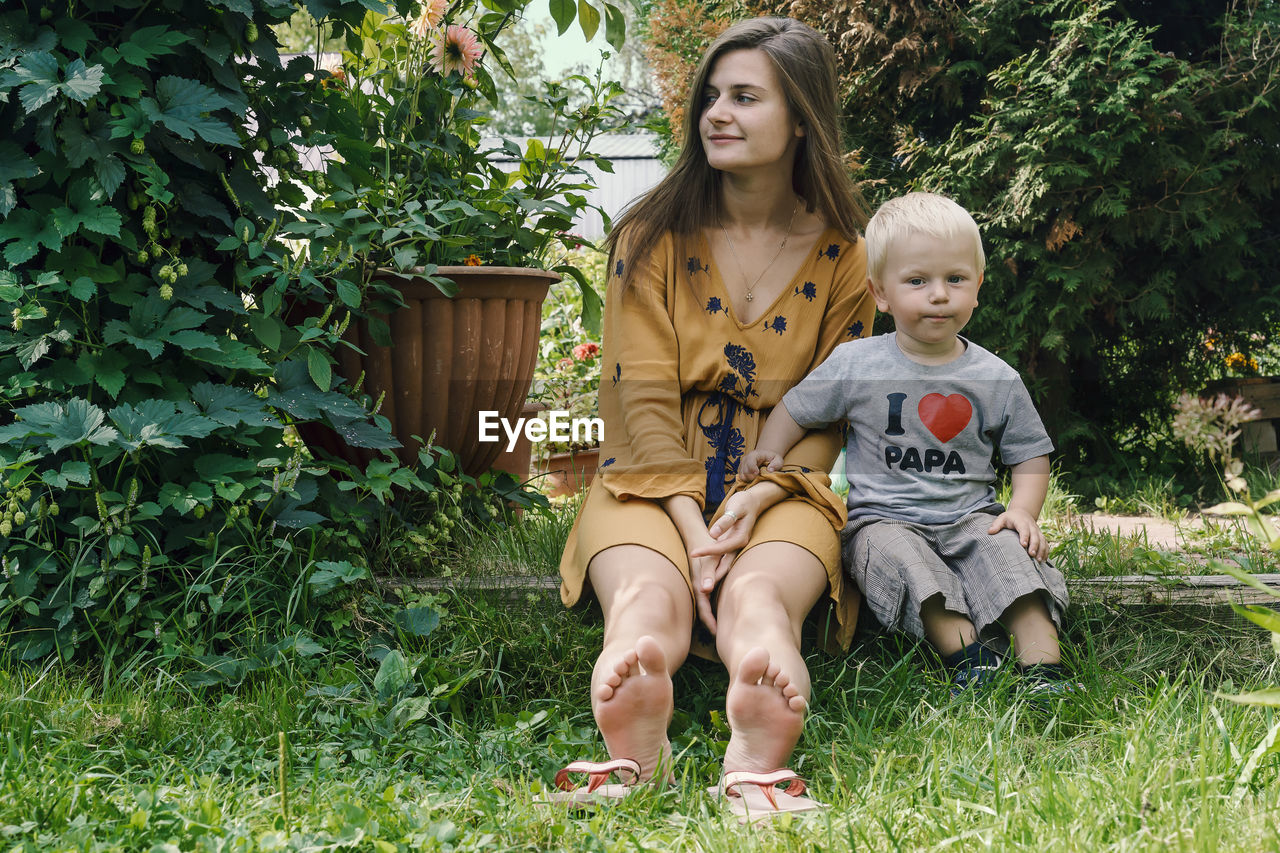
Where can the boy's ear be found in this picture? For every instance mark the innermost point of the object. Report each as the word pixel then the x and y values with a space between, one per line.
pixel 877 294
pixel 981 278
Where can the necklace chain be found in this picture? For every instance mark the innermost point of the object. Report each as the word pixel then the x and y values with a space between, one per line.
pixel 733 251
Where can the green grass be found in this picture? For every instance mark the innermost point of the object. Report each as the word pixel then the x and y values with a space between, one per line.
pixel 1146 760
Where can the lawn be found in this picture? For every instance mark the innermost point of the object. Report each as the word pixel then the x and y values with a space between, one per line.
pixel 452 747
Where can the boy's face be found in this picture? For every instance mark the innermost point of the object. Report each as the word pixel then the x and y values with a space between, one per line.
pixel 930 286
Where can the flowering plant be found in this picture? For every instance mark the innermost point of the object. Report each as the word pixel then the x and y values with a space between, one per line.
pixel 411 184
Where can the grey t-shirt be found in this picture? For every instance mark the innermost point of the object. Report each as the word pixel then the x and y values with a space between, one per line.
pixel 921 438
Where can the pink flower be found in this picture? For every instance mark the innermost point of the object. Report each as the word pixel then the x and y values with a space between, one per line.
pixel 456 49
pixel 585 351
pixel 432 14
pixel 564 364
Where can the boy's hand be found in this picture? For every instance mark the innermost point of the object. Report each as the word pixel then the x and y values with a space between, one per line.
pixel 753 461
pixel 1021 522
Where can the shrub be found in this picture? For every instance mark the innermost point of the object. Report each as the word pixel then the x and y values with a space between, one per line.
pixel 147 385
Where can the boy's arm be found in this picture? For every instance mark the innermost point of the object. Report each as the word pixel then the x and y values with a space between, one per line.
pixel 1030 486
pixel 779 435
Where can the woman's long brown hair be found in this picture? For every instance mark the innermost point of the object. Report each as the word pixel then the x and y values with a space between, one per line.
pixel 688 198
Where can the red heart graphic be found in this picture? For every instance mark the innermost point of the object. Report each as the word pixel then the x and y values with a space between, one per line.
pixel 945 416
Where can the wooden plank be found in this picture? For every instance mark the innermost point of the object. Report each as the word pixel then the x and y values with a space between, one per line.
pixel 1261 392
pixel 1120 590
pixel 1265 398
pixel 1202 590
pixel 1259 437
pixel 488 583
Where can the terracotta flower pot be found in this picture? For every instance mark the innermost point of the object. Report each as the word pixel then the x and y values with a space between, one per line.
pixel 568 473
pixel 451 359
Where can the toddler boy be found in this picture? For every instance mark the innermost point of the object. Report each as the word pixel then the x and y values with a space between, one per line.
pixel 933 551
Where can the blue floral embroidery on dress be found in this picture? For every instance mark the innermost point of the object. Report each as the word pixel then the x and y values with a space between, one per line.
pixel 715 306
pixel 855 331
pixel 617 269
pixel 617 372
pixel 779 324
pixel 831 252
pixel 809 291
pixel 606 463
pixel 741 361
pixel 715 420
pixel 694 264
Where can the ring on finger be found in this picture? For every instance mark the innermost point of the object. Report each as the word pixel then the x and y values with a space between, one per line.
pixel 728 513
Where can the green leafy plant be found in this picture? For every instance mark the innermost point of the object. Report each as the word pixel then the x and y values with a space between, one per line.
pixel 413 186
pixel 146 388
pixel 155 363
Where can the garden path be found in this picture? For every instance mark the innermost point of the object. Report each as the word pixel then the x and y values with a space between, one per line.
pixel 1160 533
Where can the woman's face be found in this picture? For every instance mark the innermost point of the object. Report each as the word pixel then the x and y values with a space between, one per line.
pixel 745 122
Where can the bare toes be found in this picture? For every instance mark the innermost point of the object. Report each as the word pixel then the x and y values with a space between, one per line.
pixel 753 666
pixel 771 674
pixel 650 656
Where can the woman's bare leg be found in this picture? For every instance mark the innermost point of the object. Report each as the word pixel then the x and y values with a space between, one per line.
pixel 648 617
pixel 763 601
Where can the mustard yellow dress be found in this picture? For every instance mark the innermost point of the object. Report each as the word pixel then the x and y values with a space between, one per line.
pixel 684 390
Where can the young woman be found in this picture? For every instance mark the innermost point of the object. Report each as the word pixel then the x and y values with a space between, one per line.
pixel 728 282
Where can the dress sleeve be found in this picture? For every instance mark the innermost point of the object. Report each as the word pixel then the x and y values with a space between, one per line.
pixel 848 316
pixel 851 309
pixel 642 351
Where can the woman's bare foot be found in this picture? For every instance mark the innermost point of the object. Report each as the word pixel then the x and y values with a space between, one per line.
pixel 766 715
pixel 633 705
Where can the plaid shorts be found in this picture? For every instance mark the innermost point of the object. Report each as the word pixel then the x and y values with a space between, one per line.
pixel 899 565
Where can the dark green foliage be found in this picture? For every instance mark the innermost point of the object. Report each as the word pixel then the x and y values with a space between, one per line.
pixel 1128 202
pixel 148 371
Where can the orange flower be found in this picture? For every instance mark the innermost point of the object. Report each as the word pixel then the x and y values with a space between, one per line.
pixel 473 261
pixel 584 351
pixel 456 49
pixel 336 80
pixel 432 14
pixel 1241 362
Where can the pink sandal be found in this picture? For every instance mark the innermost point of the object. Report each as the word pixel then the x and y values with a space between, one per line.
pixel 598 772
pixel 763 800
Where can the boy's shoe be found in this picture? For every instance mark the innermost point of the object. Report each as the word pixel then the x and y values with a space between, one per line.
pixel 1046 683
pixel 973 668
pixel 977 678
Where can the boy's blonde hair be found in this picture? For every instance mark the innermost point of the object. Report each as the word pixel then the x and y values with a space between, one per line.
pixel 923 213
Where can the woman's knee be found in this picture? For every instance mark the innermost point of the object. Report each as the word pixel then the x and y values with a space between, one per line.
pixel 643 605
pixel 754 596
pixel 775 576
